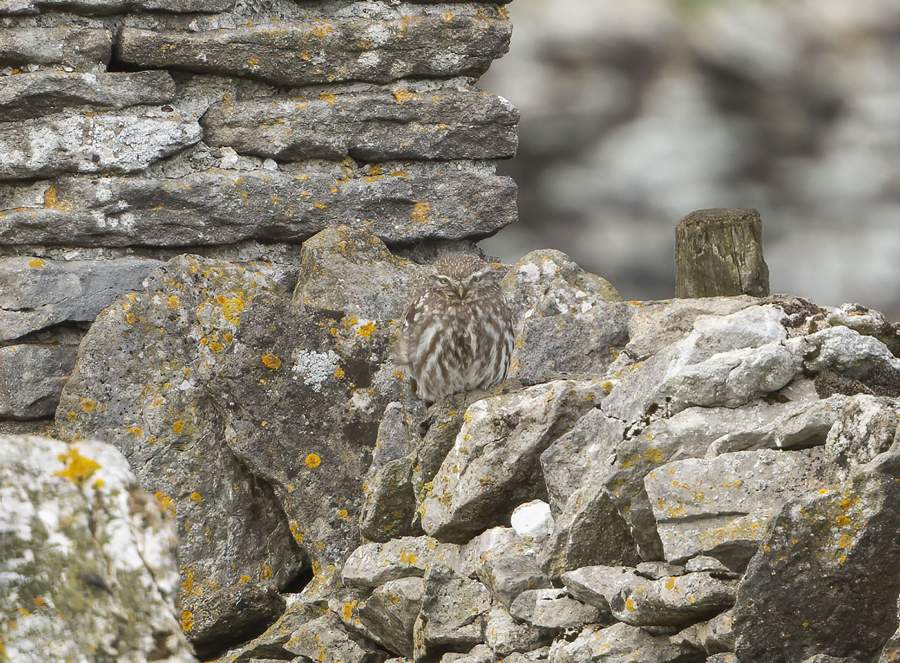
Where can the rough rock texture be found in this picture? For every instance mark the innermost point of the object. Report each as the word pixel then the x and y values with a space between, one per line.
pixel 87 558
pixel 619 644
pixel 73 47
pixel 814 570
pixel 32 378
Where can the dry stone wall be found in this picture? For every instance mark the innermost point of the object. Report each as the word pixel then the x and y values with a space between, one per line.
pixel 132 131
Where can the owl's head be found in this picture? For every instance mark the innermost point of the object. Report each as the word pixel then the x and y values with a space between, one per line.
pixel 462 273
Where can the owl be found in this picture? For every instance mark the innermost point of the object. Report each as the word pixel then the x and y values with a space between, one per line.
pixel 457 332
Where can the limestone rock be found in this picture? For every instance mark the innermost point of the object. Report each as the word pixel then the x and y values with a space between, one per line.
pixel 113 6
pixel 825 555
pixel 373 564
pixel 36 293
pixel 598 585
pixel 87 558
pixel 510 568
pixel 552 609
pixel 271 643
pixel 848 353
pixel 32 377
pixel 406 202
pixel 326 50
pixel 866 428
pixel 722 658
pixel 532 520
pixel 125 141
pixel 144 381
pixel 76 47
pixel 618 644
pixel 717 635
pixel 380 124
pixel 453 614
pixel 721 506
pixel 673 601
pixel 326 640
pixel 39 94
pixel 494 466
pixel 869 322
pixel 505 636
pixel 389 614
pixel 575 543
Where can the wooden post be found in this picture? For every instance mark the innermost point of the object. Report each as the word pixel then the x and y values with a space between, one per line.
pixel 718 252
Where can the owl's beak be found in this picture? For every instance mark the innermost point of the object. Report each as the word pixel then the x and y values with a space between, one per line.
pixel 462 292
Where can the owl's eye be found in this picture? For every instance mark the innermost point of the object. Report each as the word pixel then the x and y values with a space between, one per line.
pixel 443 279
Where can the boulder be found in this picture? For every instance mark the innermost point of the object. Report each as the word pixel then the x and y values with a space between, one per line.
pixel 399 202
pixel 144 382
pixel 36 292
pixel 373 564
pixel 672 601
pixel 618 644
pixel 505 636
pixel 598 585
pixel 826 554
pixel 87 558
pixel 867 427
pixel 453 615
pixel 270 644
pixel 720 506
pixel 32 377
pixel 326 48
pixel 389 614
pixel 327 641
pixel 494 464
pixel 552 609
pixel 42 93
pixel 404 121
pixel 510 568
pixel 115 6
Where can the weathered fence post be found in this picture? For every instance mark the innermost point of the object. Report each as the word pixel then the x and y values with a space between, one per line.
pixel 718 252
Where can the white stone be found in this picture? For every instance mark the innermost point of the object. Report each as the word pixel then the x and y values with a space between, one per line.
pixel 532 519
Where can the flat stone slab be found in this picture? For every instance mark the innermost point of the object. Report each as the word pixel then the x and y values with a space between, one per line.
pixel 720 507
pixel 82 49
pixel 16 7
pixel 119 142
pixel 327 49
pixel 36 293
pixel 409 121
pixel 41 93
pixel 400 202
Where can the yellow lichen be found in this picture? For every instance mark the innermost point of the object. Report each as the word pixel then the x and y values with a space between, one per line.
pixel 403 95
pixel 343 514
pixel 232 307
pixel 366 330
pixel 271 361
pixel 339 373
pixel 196 497
pixel 136 431
pixel 165 502
pixel 312 460
pixel 320 205
pixel 420 213
pixel 173 302
pixel 98 484
pixel 294 526
pixel 328 98
pixel 52 201
pixel 187 621
pixel 347 610
pixel 408 557
pixel 36 263
pixel 77 468
pixel 178 426
pixel 265 571
pixel 630 605
pixel 244 579
pixel 88 405
pixel 322 30
pixel 253 61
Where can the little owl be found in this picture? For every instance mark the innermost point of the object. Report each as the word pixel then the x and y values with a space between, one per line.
pixel 458 331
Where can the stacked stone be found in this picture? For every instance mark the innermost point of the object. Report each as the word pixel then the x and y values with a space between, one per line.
pixel 133 131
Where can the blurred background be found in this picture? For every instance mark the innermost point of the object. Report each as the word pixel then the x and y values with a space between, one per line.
pixel 636 112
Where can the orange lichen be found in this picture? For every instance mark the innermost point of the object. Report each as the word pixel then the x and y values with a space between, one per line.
pixel 296 532
pixel 173 302
pixel 343 514
pixel 187 621
pixel 312 460
pixel 36 263
pixel 232 307
pixel 420 213
pixel 165 502
pixel 77 468
pixel 196 497
pixel 347 610
pixel 339 373
pixel 328 97
pixel 322 30
pixel 136 431
pixel 271 361
pixel 366 330
pixel 244 579
pixel 178 426
pixel 403 95
pixel 88 404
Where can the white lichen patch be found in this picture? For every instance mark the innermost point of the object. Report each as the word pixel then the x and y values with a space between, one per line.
pixel 314 368
pixel 529 273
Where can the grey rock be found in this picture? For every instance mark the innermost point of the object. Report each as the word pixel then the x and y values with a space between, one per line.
pixel 269 645
pixel 717 635
pixel 573 456
pixel 825 555
pixel 327 50
pixel 891 651
pixel 114 550
pixel 703 563
pixel 618 644
pixel 389 614
pixel 347 269
pixel 38 94
pixel 847 352
pixel 478 654
pixel 113 6
pixel 598 585
pixel 552 609
pixel 540 654
pixel 657 570
pixel 566 345
pixel 722 658
pixel 125 141
pixel 505 636
pixel 825 658
pixel 36 293
pixel 673 601
pixel 453 615
pixel 721 506
pixel 373 564
pixel 484 546
pixel 868 322
pixel 389 509
pixel 589 531
pixel 143 381
pixel 867 427
pixel 326 640
pixel 509 569
pixel 32 378
pixel 413 201
pixel 412 121
pixel 494 466
pixel 79 48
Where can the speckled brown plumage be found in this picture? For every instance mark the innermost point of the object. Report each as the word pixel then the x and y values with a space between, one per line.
pixel 457 332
